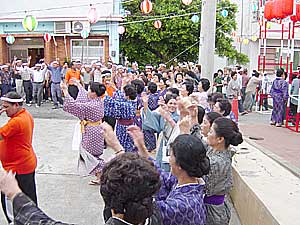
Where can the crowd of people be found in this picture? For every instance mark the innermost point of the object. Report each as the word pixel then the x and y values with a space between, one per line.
pixel 173 137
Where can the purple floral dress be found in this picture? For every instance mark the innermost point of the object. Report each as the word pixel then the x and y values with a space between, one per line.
pixel 89 110
pixel 119 107
pixel 180 204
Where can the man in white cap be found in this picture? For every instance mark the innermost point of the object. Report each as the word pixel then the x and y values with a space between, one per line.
pixel 18 68
pixel 38 78
pixel 17 153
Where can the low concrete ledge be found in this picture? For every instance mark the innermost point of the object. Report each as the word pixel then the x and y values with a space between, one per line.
pixel 264 192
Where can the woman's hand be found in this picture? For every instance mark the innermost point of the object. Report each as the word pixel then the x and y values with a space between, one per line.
pixel 8 184
pixel 185 125
pixel 110 137
pixel 138 139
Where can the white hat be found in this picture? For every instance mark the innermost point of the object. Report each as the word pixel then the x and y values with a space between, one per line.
pixel 119 66
pixel 38 65
pixel 148 67
pixel 56 62
pixel 24 64
pixel 98 64
pixel 4 66
pixel 87 66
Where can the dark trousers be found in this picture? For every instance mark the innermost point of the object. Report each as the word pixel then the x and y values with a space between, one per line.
pixel 73 91
pixel 27 185
pixel 28 90
pixel 5 88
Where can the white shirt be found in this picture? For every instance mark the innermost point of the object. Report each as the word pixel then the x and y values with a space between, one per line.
pixel 38 76
pixel 97 76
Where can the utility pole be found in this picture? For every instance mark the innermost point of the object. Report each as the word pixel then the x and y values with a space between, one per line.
pixel 207 38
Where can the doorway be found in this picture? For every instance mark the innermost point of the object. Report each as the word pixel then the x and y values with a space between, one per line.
pixel 36 54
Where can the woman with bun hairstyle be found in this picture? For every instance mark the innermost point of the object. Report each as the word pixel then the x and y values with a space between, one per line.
pixel 180 198
pixel 223 133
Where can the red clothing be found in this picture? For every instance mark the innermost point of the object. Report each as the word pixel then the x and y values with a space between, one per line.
pixel 16 152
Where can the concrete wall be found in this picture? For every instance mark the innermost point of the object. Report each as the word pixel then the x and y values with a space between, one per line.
pixel 264 192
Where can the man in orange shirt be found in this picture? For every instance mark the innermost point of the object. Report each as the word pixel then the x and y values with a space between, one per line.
pixel 75 74
pixel 16 152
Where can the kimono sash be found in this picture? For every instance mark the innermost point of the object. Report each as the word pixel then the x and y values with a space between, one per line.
pixel 214 199
pixel 84 123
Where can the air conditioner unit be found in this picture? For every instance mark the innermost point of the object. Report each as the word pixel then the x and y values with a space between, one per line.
pixel 78 26
pixel 62 27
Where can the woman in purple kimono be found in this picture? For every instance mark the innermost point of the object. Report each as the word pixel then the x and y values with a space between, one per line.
pixel 122 106
pixel 279 93
pixel 180 198
pixel 88 107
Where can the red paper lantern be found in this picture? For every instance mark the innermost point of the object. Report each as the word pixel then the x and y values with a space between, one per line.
pixel 157 24
pixel 268 14
pixel 47 37
pixel 288 6
pixel 296 17
pixel 146 6
pixel 92 15
pixel 278 9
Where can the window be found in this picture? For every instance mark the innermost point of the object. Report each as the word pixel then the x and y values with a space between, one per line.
pixel 87 50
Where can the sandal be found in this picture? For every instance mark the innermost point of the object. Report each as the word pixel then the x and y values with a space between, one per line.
pixel 94 182
pixel 278 125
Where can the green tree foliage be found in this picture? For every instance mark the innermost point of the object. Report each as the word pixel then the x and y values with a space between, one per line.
pixel 143 43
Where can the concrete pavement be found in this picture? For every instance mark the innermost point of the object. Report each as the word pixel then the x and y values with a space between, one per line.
pixel 62 194
pixel 281 144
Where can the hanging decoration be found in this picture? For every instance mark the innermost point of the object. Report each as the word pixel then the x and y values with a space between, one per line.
pixel 224 13
pixel 233 34
pixel 187 2
pixel 146 6
pixel 121 29
pixel 246 41
pixel 30 23
pixel 157 24
pixel 269 26
pixel 10 39
pixel 254 38
pixel 195 19
pixel 238 39
pixel 92 15
pixel 47 37
pixel 278 9
pixel 296 17
pixel 84 34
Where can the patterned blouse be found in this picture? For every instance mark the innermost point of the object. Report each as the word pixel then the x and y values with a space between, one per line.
pixel 180 204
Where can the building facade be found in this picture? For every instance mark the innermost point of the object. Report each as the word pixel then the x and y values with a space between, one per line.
pixel 64 20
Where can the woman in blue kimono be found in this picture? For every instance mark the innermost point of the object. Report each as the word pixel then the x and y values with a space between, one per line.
pixel 180 198
pixel 123 106
pixel 279 93
pixel 155 121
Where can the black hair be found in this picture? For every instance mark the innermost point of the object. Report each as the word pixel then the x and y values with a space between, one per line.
pixel 158 75
pixel 128 183
pixel 192 75
pixel 173 91
pixel 189 86
pixel 139 85
pixel 178 75
pixel 72 64
pixel 215 75
pixel 205 84
pixel 225 106
pixel 130 91
pixel 233 73
pixel 212 116
pixel 201 113
pixel 228 129
pixel 279 72
pixel 255 73
pixel 190 155
pixel 98 88
pixel 105 72
pixel 14 95
pixel 219 70
pixel 152 87
pixel 168 97
pixel 214 97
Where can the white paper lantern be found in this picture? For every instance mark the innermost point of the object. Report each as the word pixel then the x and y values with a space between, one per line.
pixel 84 34
pixel 92 15
pixel 187 2
pixel 10 39
pixel 121 29
pixel 146 6
pixel 157 24
pixel 30 23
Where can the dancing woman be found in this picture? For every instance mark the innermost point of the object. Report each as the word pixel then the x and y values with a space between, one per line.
pixel 88 107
